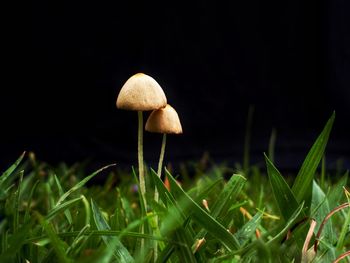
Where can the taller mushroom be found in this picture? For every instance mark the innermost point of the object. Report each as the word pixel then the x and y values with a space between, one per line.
pixel 141 93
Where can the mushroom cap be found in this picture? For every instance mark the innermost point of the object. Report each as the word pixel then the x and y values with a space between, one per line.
pixel 164 120
pixel 142 93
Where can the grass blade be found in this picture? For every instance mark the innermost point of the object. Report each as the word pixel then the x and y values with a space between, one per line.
pixel 30 199
pixel 184 252
pixel 62 207
pixel 57 244
pixel 81 236
pixel 345 229
pixel 81 184
pixel 61 192
pixel 284 196
pixel 204 219
pixel 120 252
pixel 302 187
pixel 244 233
pixel 292 220
pixel 336 193
pixel 228 195
pixel 320 202
pixel 10 170
pixel 16 204
pixel 15 243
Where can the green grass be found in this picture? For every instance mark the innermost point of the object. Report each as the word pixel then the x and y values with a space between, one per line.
pixel 57 214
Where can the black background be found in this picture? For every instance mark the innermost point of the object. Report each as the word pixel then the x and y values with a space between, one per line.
pixel 66 61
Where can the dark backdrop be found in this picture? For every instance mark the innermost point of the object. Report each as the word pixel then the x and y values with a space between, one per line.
pixel 66 61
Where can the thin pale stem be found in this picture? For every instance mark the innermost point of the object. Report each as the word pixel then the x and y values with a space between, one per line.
pixel 306 255
pixel 328 216
pixel 141 171
pixel 160 164
pixel 140 159
pixel 156 194
pixel 346 254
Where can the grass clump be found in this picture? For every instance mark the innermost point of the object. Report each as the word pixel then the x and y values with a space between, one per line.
pixel 51 214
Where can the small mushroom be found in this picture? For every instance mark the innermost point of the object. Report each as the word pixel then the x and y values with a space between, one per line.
pixel 166 121
pixel 141 93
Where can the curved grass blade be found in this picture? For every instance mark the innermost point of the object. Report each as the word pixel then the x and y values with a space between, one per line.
pixel 10 170
pixel 81 184
pixel 292 219
pixel 62 207
pixel 61 192
pixel 77 240
pixel 302 187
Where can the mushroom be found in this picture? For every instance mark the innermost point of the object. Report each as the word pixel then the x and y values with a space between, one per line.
pixel 141 93
pixel 166 121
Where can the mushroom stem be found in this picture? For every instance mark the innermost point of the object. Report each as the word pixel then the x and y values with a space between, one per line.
pixel 156 194
pixel 161 158
pixel 140 159
pixel 141 170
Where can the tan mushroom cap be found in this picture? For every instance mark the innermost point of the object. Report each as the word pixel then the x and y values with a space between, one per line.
pixel 142 93
pixel 164 120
